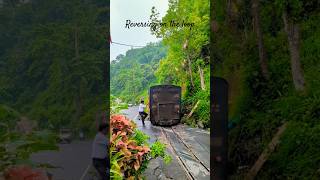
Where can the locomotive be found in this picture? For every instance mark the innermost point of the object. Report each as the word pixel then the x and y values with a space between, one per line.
pixel 165 105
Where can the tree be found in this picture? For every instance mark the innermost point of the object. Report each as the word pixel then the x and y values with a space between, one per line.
pixel 185 64
pixel 258 31
pixel 133 73
pixel 56 51
pixel 292 30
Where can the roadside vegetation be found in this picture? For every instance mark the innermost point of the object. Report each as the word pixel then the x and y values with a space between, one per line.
pixel 18 141
pixel 52 75
pixel 130 151
pixel 181 58
pixel 269 53
pixel 132 74
pixel 53 61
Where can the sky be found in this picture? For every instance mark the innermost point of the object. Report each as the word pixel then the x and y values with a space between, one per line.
pixel 135 11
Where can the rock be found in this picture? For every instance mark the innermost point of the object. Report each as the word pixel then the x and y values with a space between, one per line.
pixel 157 171
pixel 25 125
pixel 200 124
pixel 162 177
pixel 153 170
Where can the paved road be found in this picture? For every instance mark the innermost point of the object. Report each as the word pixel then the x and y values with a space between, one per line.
pixel 180 139
pixel 153 131
pixel 73 159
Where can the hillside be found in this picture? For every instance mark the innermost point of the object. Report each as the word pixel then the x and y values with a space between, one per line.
pixel 132 74
pixel 182 59
pixel 53 61
pixel 269 53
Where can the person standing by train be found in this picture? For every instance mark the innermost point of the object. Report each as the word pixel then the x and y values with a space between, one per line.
pixel 142 113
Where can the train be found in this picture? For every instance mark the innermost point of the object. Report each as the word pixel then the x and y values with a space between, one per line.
pixel 165 105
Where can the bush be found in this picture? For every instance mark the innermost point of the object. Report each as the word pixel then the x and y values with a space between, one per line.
pixel 16 148
pixel 129 150
pixel 24 172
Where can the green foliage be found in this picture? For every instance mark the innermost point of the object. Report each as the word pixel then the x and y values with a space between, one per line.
pixel 8 116
pixel 159 149
pixel 132 74
pixel 297 155
pixel 166 62
pixel 258 106
pixel 129 149
pixel 175 67
pixel 140 137
pixel 52 56
pixel 16 148
pixel 116 106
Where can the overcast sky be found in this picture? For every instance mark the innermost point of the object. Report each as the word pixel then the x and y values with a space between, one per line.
pixel 136 11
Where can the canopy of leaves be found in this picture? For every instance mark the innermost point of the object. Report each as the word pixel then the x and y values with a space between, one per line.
pixel 132 74
pixel 258 106
pixel 188 54
pixel 53 59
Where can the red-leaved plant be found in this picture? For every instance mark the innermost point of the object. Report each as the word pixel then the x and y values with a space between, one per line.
pixel 24 173
pixel 127 156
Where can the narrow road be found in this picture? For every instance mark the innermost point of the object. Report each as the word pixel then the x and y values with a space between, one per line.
pixel 73 160
pixel 153 131
pixel 188 147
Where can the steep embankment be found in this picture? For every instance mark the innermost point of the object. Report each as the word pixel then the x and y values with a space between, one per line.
pixel 259 104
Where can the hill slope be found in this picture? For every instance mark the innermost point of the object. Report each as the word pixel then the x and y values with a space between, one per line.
pixel 132 74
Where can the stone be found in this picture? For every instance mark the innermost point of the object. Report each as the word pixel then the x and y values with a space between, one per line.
pixel 200 124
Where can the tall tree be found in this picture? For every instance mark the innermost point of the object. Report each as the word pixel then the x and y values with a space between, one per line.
pixel 185 47
pixel 186 65
pixel 258 31
pixel 59 50
pixel 293 34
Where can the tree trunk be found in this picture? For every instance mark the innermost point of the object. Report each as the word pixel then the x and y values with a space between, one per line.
pixel 78 98
pixel 229 10
pixel 203 86
pixel 185 47
pixel 292 30
pixel 266 153
pixel 190 70
pixel 257 29
pixel 193 109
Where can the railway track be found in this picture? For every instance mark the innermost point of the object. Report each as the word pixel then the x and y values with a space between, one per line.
pixel 190 161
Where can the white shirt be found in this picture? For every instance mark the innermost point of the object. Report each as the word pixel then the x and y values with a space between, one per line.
pixel 99 146
pixel 141 107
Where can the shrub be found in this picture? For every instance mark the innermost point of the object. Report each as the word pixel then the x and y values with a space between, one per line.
pixel 24 172
pixel 129 150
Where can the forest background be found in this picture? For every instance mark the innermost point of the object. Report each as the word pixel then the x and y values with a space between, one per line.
pixel 269 53
pixel 181 58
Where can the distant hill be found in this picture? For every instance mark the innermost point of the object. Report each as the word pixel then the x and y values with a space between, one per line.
pixel 133 73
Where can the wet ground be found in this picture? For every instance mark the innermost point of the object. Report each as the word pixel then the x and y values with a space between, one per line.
pixel 73 160
pixel 188 147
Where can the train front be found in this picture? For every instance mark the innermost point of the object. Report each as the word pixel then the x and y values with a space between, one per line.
pixel 165 105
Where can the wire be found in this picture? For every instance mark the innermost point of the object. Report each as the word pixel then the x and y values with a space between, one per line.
pixel 125 44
